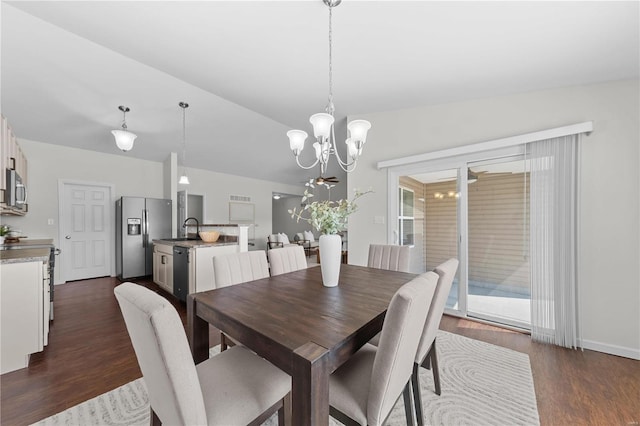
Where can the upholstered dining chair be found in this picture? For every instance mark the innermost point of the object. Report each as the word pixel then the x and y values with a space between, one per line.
pixel 364 389
pixel 391 257
pixel 287 259
pixel 233 387
pixel 426 354
pixel 236 268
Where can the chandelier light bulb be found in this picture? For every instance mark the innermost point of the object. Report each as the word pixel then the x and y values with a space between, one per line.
pixel 352 149
pixel 321 123
pixel 358 130
pixel 296 140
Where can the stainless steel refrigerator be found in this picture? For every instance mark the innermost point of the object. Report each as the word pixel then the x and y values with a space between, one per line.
pixel 138 222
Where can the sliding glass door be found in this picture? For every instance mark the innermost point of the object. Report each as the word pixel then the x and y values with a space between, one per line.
pixel 498 242
pixel 477 211
pixel 435 223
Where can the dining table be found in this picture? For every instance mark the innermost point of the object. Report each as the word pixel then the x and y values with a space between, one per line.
pixel 299 325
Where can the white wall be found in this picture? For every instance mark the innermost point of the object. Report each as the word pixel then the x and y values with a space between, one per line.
pixel 131 177
pixel 609 274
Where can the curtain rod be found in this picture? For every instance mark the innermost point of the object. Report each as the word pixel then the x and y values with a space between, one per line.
pixel 573 129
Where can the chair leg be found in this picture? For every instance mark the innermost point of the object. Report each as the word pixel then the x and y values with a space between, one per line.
pixel 417 397
pixel 426 362
pixel 223 342
pixel 408 404
pixel 436 370
pixel 154 420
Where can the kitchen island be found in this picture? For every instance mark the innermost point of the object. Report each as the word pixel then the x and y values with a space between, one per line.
pixel 183 266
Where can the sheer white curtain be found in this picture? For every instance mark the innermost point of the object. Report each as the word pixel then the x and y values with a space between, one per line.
pixel 553 220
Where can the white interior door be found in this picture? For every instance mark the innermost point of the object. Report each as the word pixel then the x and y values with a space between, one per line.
pixel 86 217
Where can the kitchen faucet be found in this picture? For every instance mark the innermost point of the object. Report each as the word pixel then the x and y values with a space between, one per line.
pixel 184 225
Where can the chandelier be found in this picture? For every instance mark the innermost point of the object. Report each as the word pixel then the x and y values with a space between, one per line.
pixel 124 138
pixel 323 128
pixel 184 179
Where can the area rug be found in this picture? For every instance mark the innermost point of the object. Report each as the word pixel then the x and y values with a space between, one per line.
pixel 482 384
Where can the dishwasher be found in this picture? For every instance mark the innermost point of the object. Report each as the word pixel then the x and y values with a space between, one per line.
pixel 181 272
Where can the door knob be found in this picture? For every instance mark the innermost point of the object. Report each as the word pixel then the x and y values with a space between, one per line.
pixel 68 237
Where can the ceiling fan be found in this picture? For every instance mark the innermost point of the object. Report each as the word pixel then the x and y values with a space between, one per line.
pixel 321 180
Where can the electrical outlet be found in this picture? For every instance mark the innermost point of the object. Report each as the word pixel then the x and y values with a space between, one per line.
pixel 378 220
pixel 49 221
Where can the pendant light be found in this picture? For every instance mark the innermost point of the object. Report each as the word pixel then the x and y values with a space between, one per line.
pixel 184 179
pixel 124 138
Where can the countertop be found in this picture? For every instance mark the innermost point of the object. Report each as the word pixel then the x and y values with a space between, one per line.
pixel 27 250
pixel 26 243
pixel 25 255
pixel 194 243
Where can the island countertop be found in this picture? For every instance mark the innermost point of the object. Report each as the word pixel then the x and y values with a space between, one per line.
pixel 192 243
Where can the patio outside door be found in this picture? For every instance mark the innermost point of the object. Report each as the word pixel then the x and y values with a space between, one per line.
pixel 498 242
pixel 477 212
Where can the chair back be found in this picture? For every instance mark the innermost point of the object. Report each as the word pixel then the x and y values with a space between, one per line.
pixel 391 257
pixel 236 268
pixel 446 273
pixel 162 349
pixel 287 259
pixel 401 331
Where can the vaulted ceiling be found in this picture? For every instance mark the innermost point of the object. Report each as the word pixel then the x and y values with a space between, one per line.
pixel 251 70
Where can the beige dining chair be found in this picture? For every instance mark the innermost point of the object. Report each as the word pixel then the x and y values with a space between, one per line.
pixel 233 387
pixel 287 259
pixel 426 354
pixel 364 390
pixel 391 257
pixel 237 268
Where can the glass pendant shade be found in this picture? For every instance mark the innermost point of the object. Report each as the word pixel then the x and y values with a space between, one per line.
pixel 352 149
pixel 296 140
pixel 184 180
pixel 124 139
pixel 318 149
pixel 321 123
pixel 358 130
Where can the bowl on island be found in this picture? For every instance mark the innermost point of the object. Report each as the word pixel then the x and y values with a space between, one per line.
pixel 209 236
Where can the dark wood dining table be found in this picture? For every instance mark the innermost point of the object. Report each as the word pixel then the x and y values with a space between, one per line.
pixel 300 326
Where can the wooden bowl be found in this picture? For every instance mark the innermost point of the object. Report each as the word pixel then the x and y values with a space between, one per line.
pixel 209 236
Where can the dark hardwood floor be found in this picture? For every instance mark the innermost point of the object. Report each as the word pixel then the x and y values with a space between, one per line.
pixel 90 353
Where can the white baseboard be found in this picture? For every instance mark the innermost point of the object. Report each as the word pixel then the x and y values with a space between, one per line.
pixel 611 349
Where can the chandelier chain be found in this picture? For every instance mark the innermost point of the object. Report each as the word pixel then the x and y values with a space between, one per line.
pixel 330 105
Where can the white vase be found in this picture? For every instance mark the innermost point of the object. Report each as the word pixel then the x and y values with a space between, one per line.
pixel 330 258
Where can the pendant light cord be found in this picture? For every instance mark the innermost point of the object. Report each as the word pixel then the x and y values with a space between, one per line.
pixel 184 138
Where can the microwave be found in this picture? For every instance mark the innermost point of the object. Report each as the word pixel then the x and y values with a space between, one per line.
pixel 15 195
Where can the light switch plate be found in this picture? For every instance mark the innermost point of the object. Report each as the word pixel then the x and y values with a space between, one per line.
pixel 379 220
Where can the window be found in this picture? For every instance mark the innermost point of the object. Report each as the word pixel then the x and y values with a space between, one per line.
pixel 405 217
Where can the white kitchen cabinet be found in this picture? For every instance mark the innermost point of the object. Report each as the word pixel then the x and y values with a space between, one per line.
pixel 24 314
pixel 11 157
pixel 163 266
